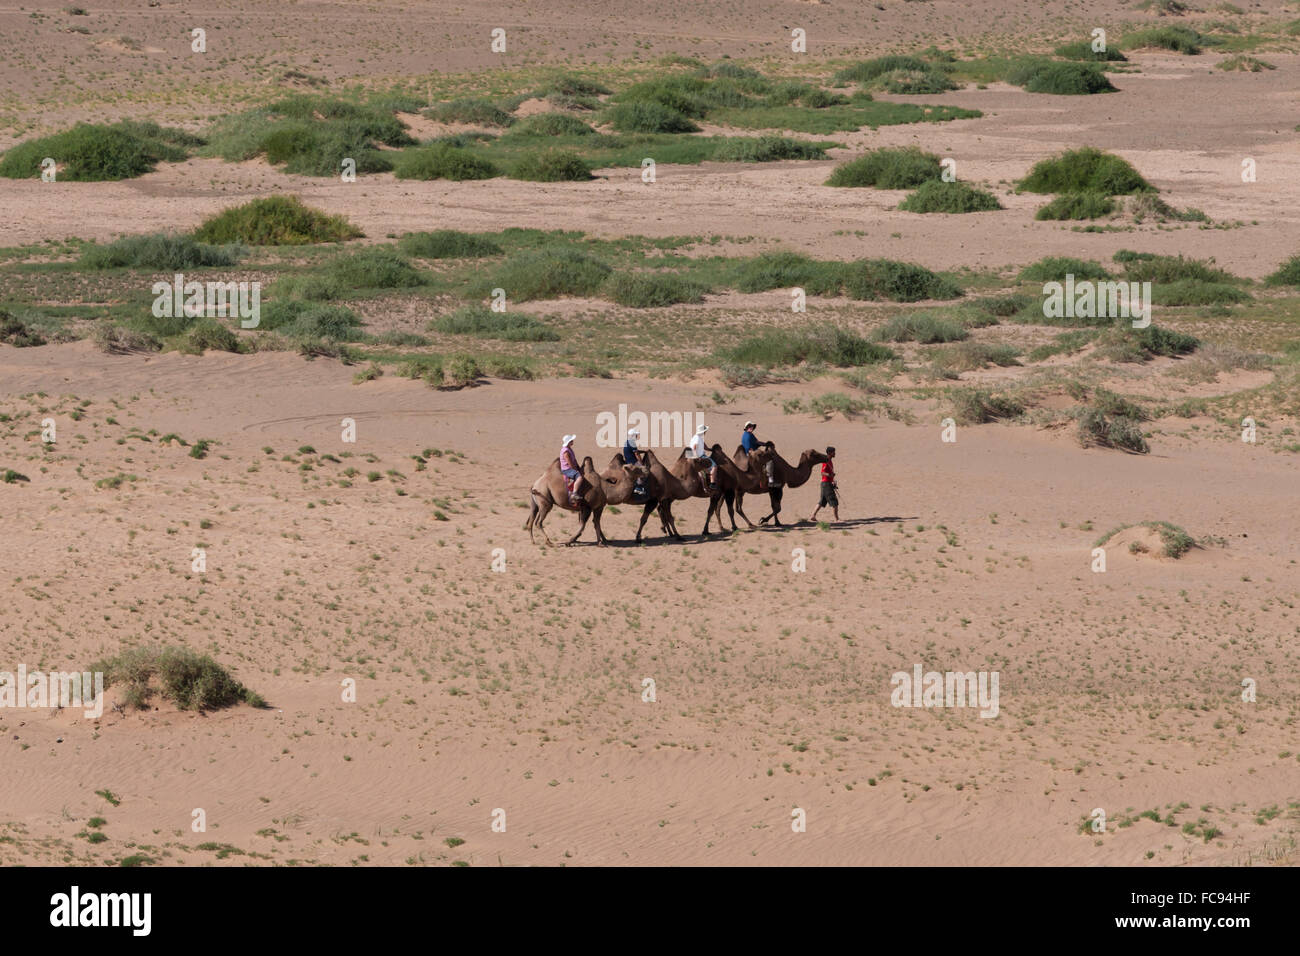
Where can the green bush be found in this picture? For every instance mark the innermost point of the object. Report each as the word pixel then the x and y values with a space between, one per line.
pixel 190 680
pixel 482 321
pixel 652 290
pixel 315 287
pixel 1056 268
pixel 896 281
pixel 1245 64
pixel 447 244
pixel 1085 170
pixel 935 195
pixel 1077 206
pixel 471 111
pixel 547 274
pixel 975 406
pixel 683 95
pixel 1098 428
pixel 14 331
pixel 551 124
pixel 460 370
pixel 922 328
pixel 869 70
pixel 1062 79
pixel 443 161
pixel 788 270
pixel 1196 292
pixel 160 252
pixel 552 166
pixel 209 334
pixel 1179 39
pixel 648 117
pixel 96 152
pixel 378 267
pixel 1143 267
pixel 915 82
pixel 887 169
pixel 1083 50
pixel 311 321
pixel 1287 274
pixel 275 221
pixel 764 149
pixel 820 344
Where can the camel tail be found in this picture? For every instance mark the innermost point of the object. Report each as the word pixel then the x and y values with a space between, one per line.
pixel 532 511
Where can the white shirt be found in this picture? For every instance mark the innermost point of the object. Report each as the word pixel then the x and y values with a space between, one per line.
pixel 697 447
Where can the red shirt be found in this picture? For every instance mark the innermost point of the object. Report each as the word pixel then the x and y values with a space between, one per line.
pixel 828 471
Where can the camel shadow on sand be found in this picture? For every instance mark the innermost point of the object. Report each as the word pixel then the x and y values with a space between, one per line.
pixel 717 537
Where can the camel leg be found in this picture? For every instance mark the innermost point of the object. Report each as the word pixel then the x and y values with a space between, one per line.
pixel 715 505
pixel 669 522
pixel 543 510
pixel 584 512
pixel 645 515
pixel 740 501
pixel 728 497
pixel 601 540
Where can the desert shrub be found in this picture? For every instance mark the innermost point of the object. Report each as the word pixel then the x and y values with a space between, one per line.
pixel 552 166
pixel 684 95
pixel 764 149
pixel 1245 64
pixel 443 161
pixel 1099 429
pixel 896 281
pixel 312 321
pixel 460 370
pixel 1144 267
pixel 815 98
pixel 96 152
pixel 470 111
pixel 209 334
pixel 904 168
pixel 119 341
pixel 1125 344
pixel 869 70
pixel 1056 268
pixel 1002 306
pixel 924 328
pixel 968 356
pixel 787 270
pixel 1083 50
pixel 569 84
pixel 159 251
pixel 1196 292
pixel 447 244
pixel 915 82
pixel 1288 273
pixel 974 406
pixel 1082 171
pixel 935 195
pixel 1160 341
pixel 482 321
pixel 547 274
pixel 648 290
pixel 1179 39
pixel 313 286
pixel 1077 206
pixel 1062 79
pixel 275 221
pixel 191 680
pixel 16 332
pixel 825 344
pixel 378 267
pixel 1150 206
pixel 551 124
pixel 648 117
pixel 742 376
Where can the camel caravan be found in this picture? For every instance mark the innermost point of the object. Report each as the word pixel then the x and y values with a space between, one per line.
pixel 637 476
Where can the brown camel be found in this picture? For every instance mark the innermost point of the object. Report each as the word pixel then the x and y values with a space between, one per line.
pixel 789 476
pixel 616 495
pixel 747 473
pixel 550 491
pixel 692 473
pixel 668 488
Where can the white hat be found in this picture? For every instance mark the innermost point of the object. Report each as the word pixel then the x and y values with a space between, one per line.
pixel 747 424
pixel 633 433
pixel 567 439
pixel 702 429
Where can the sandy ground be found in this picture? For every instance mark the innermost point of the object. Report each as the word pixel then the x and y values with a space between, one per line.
pixel 521 690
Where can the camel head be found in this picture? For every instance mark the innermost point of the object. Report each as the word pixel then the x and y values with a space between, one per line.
pixel 815 456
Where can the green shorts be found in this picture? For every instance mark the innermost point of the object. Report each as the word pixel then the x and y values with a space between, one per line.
pixel 828 498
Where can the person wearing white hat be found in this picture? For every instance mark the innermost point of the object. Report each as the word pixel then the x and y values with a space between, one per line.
pixel 569 467
pixel 699 450
pixel 748 440
pixel 630 458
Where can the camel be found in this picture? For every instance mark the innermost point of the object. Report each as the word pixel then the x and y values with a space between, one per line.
pixel 667 488
pixel 789 475
pixel 550 491
pixel 654 486
pixel 694 477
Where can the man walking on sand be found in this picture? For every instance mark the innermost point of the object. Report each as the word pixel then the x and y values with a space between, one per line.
pixel 829 487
